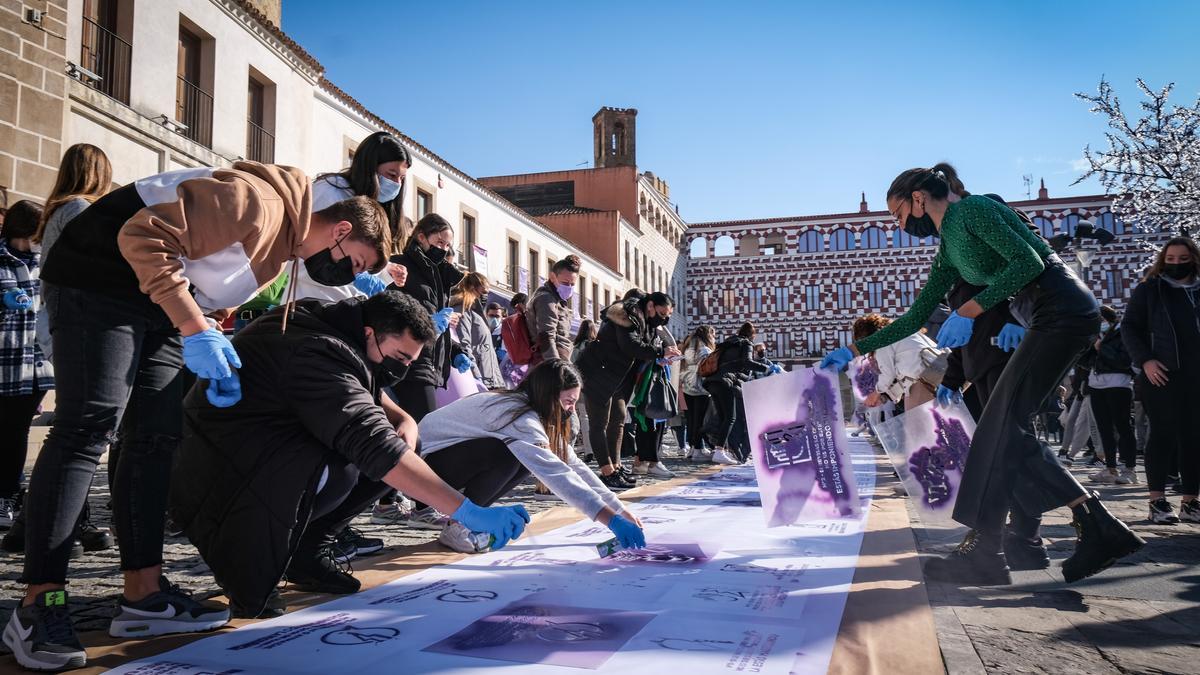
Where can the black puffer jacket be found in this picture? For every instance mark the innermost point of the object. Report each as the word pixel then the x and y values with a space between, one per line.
pixel 245 476
pixel 1150 332
pixel 430 284
pixel 624 339
pixel 735 363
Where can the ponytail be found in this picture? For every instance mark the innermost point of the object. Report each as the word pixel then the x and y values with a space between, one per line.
pixel 939 181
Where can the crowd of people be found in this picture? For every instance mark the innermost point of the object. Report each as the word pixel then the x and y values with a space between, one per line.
pixel 265 356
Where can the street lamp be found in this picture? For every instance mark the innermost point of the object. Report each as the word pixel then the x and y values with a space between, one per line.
pixel 1085 232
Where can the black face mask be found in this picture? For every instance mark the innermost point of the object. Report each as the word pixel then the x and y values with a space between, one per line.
pixel 325 271
pixel 389 371
pixel 656 321
pixel 436 255
pixel 920 227
pixel 1178 271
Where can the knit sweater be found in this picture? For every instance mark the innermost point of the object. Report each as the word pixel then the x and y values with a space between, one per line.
pixel 983 242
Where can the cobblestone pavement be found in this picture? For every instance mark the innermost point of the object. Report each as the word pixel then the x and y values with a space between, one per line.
pixel 96 578
pixel 1139 616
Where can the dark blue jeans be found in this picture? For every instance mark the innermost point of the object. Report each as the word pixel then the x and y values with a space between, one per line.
pixel 118 365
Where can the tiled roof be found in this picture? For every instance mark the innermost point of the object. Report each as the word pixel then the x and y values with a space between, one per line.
pixel 283 37
pixel 538 211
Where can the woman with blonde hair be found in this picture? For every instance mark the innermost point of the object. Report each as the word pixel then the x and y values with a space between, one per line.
pixel 473 333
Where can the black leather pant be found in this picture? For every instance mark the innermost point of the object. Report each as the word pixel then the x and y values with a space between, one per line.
pixel 1062 320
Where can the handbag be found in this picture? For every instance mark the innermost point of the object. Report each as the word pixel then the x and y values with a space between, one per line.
pixel 662 402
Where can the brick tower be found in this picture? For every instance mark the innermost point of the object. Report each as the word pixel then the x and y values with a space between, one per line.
pixel 616 137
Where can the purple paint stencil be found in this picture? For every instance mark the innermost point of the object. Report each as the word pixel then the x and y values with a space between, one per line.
pixel 929 464
pixel 865 376
pixel 799 448
pixel 667 553
pixel 525 632
pixel 928 446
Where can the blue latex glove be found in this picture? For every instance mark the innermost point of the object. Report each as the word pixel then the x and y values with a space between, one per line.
pixel 441 320
pixel 210 355
pixel 502 522
pixel 628 534
pixel 1010 337
pixel 462 363
pixel 837 359
pixel 368 283
pixel 224 392
pixel 17 298
pixel 775 369
pixel 946 395
pixel 501 354
pixel 956 332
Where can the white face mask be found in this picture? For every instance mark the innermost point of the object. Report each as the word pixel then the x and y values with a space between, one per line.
pixel 388 189
pixel 494 322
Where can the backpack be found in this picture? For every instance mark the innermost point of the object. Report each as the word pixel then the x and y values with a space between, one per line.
pixel 710 364
pixel 514 333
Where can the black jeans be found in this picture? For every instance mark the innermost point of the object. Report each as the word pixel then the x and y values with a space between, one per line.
pixel 647 442
pixel 118 365
pixel 346 494
pixel 1112 409
pixel 739 434
pixel 484 469
pixel 1172 411
pixel 697 406
pixel 606 422
pixel 1062 320
pixel 418 400
pixel 724 399
pixel 16 414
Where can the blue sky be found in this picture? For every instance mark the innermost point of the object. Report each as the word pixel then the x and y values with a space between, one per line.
pixel 758 109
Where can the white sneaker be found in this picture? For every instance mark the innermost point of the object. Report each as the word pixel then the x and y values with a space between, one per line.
pixel 700 455
pixel 8 512
pixel 1127 477
pixel 641 468
pixel 427 518
pixel 1189 511
pixel 659 471
pixel 458 538
pixel 1104 476
pixel 723 456
pixel 391 514
pixel 1162 513
pixel 546 496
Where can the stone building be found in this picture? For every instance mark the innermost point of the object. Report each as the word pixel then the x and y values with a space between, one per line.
pixel 803 280
pixel 613 212
pixel 167 84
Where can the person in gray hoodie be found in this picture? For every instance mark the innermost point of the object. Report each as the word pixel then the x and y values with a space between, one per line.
pixel 485 444
pixel 473 333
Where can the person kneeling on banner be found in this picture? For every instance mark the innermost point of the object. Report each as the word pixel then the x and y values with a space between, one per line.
pixel 487 443
pixel 262 488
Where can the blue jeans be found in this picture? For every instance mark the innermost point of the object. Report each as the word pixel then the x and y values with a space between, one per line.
pixel 118 364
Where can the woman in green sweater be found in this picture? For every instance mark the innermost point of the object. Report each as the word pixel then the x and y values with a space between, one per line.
pixel 986 244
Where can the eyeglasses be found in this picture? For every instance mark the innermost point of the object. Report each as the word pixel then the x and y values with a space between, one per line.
pixel 896 214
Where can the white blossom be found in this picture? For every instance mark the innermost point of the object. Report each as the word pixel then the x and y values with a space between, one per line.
pixel 1152 165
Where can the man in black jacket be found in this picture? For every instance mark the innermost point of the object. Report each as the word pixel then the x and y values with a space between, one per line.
pixel 1111 387
pixel 261 488
pixel 609 367
pixel 735 365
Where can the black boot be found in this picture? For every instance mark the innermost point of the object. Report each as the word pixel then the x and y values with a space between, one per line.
pixel 1101 539
pixel 93 538
pixel 313 568
pixel 1023 546
pixel 978 561
pixel 274 607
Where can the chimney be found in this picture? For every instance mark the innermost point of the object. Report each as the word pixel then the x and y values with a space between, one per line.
pixel 1043 193
pixel 862 206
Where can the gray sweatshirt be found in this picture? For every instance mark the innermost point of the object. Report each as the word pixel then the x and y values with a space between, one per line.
pixel 486 415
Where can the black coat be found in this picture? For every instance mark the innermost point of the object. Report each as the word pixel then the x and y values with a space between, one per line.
pixel 1112 357
pixel 245 477
pixel 979 356
pixel 735 362
pixel 1148 330
pixel 608 363
pixel 430 284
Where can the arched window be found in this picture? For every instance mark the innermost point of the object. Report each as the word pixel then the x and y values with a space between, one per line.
pixel 873 237
pixel 810 242
pixel 902 239
pixel 724 246
pixel 1104 221
pixel 1045 225
pixel 1069 223
pixel 841 240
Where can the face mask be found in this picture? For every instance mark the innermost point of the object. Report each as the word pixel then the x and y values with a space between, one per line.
pixel 389 371
pixel 656 321
pixel 436 255
pixel 494 322
pixel 920 227
pixel 565 291
pixel 1178 271
pixel 388 189
pixel 325 271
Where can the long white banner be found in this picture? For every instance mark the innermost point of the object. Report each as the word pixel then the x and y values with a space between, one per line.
pixel 715 592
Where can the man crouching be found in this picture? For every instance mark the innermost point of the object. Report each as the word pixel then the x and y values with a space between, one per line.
pixel 261 488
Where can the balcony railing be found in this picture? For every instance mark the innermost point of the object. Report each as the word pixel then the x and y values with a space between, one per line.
pixel 194 107
pixel 109 57
pixel 260 143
